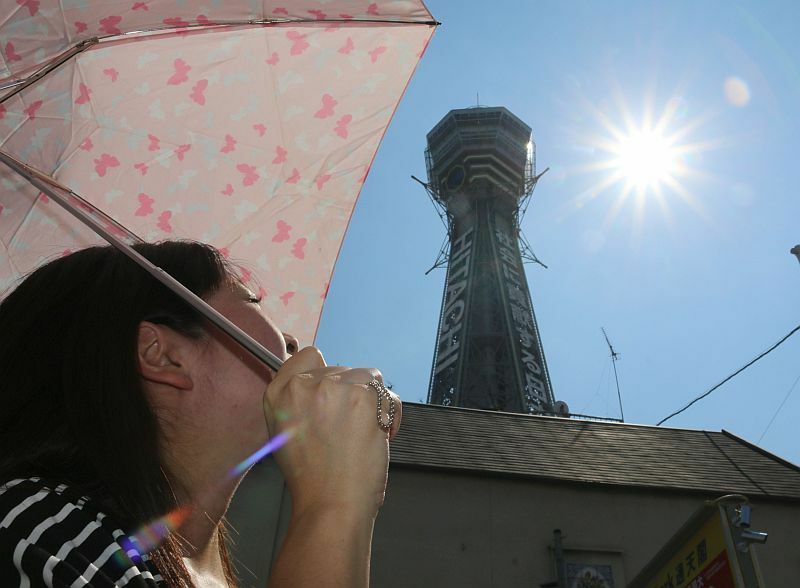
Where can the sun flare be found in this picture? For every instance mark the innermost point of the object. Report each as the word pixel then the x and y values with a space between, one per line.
pixel 645 159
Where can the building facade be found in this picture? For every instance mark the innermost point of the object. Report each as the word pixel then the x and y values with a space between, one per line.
pixel 475 498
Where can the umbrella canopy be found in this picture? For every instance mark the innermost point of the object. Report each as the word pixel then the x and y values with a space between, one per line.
pixel 247 125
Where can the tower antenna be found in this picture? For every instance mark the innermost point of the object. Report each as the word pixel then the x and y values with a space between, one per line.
pixel 614 358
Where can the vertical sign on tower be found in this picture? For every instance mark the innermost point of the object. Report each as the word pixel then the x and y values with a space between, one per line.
pixel 536 396
pixel 449 338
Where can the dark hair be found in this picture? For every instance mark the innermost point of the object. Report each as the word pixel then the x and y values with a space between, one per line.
pixel 73 407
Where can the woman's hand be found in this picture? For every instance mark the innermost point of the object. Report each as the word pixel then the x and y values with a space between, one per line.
pixel 335 464
pixel 337 455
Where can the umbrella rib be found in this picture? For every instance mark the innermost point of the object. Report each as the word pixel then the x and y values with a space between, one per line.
pixel 50 66
pixel 19 85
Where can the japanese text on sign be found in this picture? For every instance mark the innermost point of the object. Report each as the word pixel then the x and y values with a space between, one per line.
pixel 536 394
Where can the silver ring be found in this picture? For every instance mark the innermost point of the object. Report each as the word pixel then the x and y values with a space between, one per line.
pixel 383 392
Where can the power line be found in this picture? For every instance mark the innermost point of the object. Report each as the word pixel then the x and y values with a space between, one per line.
pixel 785 398
pixel 736 373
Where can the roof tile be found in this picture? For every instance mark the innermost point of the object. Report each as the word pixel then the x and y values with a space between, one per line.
pixel 589 452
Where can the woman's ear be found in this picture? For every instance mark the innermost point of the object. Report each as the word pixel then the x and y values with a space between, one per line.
pixel 161 352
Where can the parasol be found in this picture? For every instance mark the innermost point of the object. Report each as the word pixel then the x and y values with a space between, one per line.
pixel 250 125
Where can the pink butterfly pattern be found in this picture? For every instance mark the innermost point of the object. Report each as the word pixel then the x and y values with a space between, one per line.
pixel 163 221
pixel 283 232
pixel 375 53
pixel 328 103
pixel 83 94
pixel 297 248
pixel 32 5
pixel 347 47
pixel 341 126
pixel 104 162
pixel 229 146
pixel 11 53
pixel 109 25
pixel 280 155
pixel 249 174
pixel 299 44
pixel 180 151
pixel 181 70
pixel 198 92
pixel 145 205
pixel 322 180
pixel 176 22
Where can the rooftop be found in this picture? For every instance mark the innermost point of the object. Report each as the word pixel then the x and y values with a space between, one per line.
pixel 567 450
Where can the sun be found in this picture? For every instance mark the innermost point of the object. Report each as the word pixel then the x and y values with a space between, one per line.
pixel 645 158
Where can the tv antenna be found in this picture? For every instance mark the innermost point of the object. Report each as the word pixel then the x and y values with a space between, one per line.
pixel 614 358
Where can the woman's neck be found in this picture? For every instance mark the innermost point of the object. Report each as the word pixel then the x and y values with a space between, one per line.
pixel 199 531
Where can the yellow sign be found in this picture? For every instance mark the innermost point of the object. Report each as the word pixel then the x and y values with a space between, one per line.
pixel 701 562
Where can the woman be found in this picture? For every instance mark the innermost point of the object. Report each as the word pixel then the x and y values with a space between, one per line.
pixel 121 405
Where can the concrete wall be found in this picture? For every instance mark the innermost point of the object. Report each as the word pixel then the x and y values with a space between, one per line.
pixel 440 529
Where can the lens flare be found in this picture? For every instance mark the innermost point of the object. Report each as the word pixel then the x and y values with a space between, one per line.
pixel 737 92
pixel 273 444
pixel 151 535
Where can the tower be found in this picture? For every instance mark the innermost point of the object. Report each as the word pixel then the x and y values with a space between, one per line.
pixel 481 172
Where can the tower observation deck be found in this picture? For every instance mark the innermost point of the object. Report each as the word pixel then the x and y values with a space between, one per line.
pixel 481 172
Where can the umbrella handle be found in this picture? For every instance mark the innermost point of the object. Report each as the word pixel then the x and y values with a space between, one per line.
pixel 49 186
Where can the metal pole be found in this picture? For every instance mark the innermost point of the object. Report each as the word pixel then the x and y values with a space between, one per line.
pixel 48 186
pixel 614 358
pixel 561 564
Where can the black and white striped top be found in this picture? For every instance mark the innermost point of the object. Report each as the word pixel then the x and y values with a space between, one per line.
pixel 52 537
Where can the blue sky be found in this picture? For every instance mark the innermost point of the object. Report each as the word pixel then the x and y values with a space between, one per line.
pixel 689 286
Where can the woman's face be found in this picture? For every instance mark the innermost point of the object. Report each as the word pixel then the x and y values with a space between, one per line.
pixel 230 382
